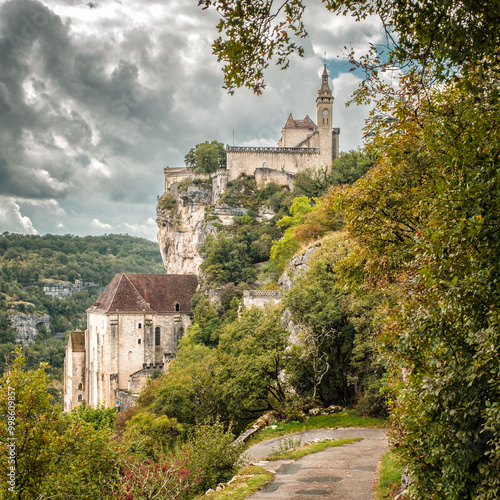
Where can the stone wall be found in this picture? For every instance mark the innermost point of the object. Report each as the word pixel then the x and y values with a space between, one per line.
pixel 126 400
pixel 265 175
pixel 242 160
pixel 124 344
pixel 260 298
pixel 26 326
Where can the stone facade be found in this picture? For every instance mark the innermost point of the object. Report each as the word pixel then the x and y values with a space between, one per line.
pixel 132 329
pixel 74 370
pixel 303 144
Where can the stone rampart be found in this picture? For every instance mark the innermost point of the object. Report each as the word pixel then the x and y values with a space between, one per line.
pixel 241 160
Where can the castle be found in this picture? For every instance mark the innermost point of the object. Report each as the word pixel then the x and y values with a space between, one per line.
pixel 303 144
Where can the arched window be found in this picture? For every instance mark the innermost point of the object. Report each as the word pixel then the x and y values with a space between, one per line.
pixel 80 397
pixel 130 355
pixel 177 306
pixel 80 386
pixel 157 335
pixel 139 341
pixel 139 326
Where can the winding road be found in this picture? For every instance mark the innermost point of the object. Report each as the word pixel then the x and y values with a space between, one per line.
pixel 342 473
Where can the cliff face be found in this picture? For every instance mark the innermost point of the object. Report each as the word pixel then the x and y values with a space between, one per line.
pixel 183 230
pixel 26 326
pixel 185 226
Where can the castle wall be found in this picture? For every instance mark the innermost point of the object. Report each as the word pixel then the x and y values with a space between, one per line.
pixel 246 160
pixel 265 175
pixel 74 378
pixel 291 137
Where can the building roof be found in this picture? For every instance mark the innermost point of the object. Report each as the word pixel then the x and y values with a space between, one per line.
pixel 77 339
pixel 305 123
pixel 147 293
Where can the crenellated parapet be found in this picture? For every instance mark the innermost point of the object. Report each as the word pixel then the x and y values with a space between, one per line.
pixel 270 150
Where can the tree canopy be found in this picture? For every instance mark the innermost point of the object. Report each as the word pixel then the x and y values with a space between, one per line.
pixel 206 157
pixel 448 34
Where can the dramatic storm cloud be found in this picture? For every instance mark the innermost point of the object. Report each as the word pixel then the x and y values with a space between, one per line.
pixel 97 98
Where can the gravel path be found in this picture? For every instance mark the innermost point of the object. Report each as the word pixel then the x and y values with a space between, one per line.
pixel 341 473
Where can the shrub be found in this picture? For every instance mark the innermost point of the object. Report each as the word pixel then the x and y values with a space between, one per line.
pixel 211 453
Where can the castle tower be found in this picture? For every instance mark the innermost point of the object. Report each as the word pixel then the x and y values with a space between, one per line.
pixel 328 138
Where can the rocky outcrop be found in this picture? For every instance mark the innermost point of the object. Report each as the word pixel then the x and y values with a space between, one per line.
pixel 26 326
pixel 297 266
pixel 65 289
pixel 184 228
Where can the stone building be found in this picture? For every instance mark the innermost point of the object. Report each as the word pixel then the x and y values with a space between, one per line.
pixel 132 329
pixel 303 144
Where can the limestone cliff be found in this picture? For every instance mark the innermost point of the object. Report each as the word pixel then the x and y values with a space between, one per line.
pixel 26 326
pixel 188 218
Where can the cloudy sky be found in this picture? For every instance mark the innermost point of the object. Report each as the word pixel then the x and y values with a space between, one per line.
pixel 97 98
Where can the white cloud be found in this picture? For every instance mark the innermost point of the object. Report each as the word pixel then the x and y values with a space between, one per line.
pixel 51 206
pixel 11 218
pixel 101 225
pixel 148 229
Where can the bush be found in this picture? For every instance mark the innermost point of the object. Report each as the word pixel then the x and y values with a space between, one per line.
pixel 210 452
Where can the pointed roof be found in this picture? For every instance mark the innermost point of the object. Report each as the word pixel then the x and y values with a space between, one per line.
pixel 147 293
pixel 305 123
pixel 325 87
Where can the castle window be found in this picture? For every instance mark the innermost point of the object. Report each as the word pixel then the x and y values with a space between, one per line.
pixel 139 326
pixel 80 397
pixel 138 341
pixel 157 335
pixel 80 386
pixel 177 306
pixel 130 355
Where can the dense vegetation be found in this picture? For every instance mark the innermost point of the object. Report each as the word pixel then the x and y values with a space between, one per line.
pixel 74 456
pixel 29 262
pixel 423 224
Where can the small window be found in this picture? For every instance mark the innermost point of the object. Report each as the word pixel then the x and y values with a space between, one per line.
pixel 157 335
pixel 177 306
pixel 130 355
pixel 80 397
pixel 80 387
pixel 138 341
pixel 139 326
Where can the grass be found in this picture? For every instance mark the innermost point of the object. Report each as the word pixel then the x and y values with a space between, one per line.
pixel 347 418
pixel 307 449
pixel 389 483
pixel 243 486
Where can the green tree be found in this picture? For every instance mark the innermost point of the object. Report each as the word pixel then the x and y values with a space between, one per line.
pixel 50 454
pixel 345 169
pixel 449 35
pixel 206 157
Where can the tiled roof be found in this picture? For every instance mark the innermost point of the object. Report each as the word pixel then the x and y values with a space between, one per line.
pixel 147 293
pixel 305 123
pixel 78 341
